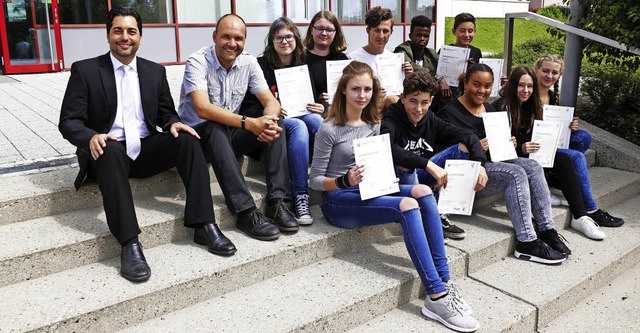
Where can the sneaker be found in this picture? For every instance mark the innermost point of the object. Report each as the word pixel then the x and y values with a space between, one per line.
pixel 303 215
pixel 282 217
pixel 604 219
pixel 451 230
pixel 258 226
pixel 555 201
pixel 454 290
pixel 448 312
pixel 552 238
pixel 538 251
pixel 588 227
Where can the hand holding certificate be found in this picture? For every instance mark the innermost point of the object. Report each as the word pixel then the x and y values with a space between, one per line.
pixel 458 196
pixel 294 89
pixel 546 133
pixel 496 67
pixel 452 63
pixel 374 153
pixel 334 73
pixel 496 125
pixel 563 114
pixel 390 72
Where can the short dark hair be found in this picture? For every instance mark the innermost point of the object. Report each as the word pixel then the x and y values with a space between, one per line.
pixel 420 21
pixel 463 17
pixel 420 82
pixel 376 15
pixel 123 11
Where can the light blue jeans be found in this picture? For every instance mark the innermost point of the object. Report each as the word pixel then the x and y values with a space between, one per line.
pixel 582 172
pixel 421 227
pixel 580 140
pixel 300 133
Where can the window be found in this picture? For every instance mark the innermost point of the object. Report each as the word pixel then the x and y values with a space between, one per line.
pixel 420 7
pixel 303 11
pixel 349 11
pixel 151 11
pixel 82 12
pixel 265 11
pixel 202 11
pixel 394 5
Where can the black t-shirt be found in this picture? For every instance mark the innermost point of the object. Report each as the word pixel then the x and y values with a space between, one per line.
pixel 318 70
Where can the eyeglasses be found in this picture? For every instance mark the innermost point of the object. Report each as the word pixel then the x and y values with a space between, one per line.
pixel 329 31
pixel 279 39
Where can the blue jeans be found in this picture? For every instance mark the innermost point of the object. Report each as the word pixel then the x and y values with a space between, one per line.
pixel 421 227
pixel 580 165
pixel 300 133
pixel 580 140
pixel 421 176
pixel 525 192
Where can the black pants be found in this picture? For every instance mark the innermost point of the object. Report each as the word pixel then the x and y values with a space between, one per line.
pixel 221 144
pixel 563 175
pixel 159 152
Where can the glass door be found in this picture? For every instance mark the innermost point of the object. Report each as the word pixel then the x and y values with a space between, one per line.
pixel 30 36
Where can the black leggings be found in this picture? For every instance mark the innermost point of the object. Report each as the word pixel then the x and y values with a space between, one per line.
pixel 563 175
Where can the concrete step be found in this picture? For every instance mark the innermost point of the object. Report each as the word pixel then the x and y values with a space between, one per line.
pixel 612 308
pixel 34 195
pixel 556 289
pixel 93 298
pixel 331 295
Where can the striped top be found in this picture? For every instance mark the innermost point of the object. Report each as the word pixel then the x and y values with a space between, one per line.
pixel 333 150
pixel 204 72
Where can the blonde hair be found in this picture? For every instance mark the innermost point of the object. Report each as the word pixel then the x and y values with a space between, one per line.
pixel 338 109
pixel 555 59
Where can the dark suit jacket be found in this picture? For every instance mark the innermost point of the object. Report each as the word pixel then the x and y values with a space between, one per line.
pixel 90 103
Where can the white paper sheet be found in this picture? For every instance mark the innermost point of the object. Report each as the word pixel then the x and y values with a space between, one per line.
pixel 563 114
pixel 496 125
pixel 546 133
pixel 294 89
pixel 452 62
pixel 390 72
pixel 334 73
pixel 379 177
pixel 496 67
pixel 458 196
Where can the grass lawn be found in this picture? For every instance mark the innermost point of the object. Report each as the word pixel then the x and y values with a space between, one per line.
pixel 490 32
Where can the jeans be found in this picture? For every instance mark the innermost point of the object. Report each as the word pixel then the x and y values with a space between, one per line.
pixel 580 165
pixel 421 227
pixel 421 176
pixel 525 192
pixel 300 133
pixel 580 140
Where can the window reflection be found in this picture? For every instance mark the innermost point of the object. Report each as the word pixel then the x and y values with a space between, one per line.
pixel 151 11
pixel 201 11
pixel 259 11
pixel 420 7
pixel 349 11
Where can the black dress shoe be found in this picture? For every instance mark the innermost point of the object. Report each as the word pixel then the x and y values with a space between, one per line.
pixel 133 265
pixel 258 226
pixel 282 216
pixel 218 243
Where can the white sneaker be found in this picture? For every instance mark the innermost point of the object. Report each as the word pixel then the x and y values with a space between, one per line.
pixel 588 227
pixel 555 201
pixel 449 313
pixel 454 290
pixel 303 215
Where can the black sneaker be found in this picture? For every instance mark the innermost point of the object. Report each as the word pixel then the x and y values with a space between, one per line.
pixel 604 219
pixel 538 251
pixel 282 217
pixel 552 238
pixel 258 226
pixel 451 230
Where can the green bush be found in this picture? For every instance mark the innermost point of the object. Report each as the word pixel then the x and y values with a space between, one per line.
pixel 526 54
pixel 552 12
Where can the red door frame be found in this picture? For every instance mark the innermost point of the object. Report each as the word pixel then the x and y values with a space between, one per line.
pixel 8 68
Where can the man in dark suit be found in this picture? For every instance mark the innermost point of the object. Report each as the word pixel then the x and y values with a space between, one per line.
pixel 112 110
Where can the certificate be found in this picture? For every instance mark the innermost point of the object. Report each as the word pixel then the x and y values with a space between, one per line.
pixel 379 177
pixel 390 72
pixel 496 67
pixel 496 125
pixel 452 63
pixel 294 89
pixel 546 133
pixel 334 73
pixel 563 114
pixel 458 196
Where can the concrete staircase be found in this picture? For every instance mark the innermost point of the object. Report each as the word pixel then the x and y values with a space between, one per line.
pixel 60 268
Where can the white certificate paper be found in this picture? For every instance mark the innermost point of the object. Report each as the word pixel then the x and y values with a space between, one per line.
pixel 458 196
pixel 496 125
pixel 546 133
pixel 379 177
pixel 390 72
pixel 563 114
pixel 496 67
pixel 334 73
pixel 452 62
pixel 294 89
